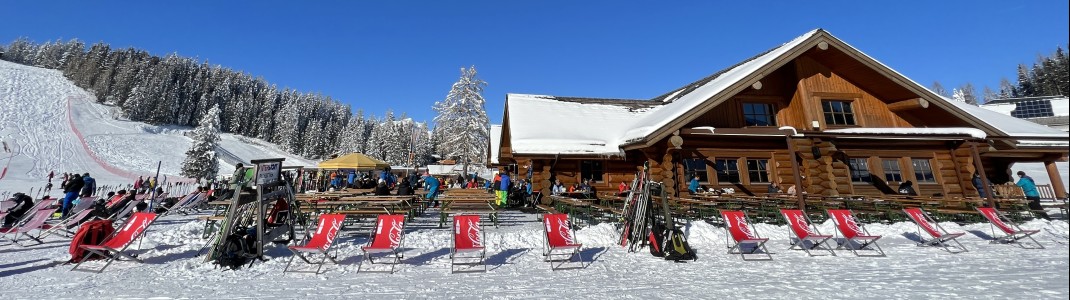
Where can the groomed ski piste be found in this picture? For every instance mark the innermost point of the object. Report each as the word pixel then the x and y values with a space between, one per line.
pixel 51 125
pixel 34 106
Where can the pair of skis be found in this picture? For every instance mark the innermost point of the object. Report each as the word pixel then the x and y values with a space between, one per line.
pixel 634 217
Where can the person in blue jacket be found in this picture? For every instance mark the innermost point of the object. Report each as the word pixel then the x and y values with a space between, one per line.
pixel 693 186
pixel 1030 189
pixel 89 185
pixel 503 190
pixel 432 189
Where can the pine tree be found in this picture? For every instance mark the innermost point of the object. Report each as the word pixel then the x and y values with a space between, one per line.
pixel 989 95
pixel 939 89
pixel 969 95
pixel 1025 83
pixel 1006 89
pixel 462 121
pixel 201 162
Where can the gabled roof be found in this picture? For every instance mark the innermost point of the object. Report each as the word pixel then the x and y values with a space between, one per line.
pixel 495 143
pixel 540 124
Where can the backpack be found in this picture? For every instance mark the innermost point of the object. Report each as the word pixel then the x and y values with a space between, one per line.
pixel 677 248
pixel 91 233
pixel 657 239
pixel 237 249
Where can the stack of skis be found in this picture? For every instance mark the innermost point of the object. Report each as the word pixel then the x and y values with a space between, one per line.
pixel 641 226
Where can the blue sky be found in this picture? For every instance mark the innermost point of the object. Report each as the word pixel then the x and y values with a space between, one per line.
pixel 404 55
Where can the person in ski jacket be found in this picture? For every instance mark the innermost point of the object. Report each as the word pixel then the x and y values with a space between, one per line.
pixel 352 176
pixel 404 188
pixel 381 189
pixel 979 185
pixel 140 181
pixel 503 189
pixel 907 188
pixel 89 185
pixel 432 189
pixel 74 185
pixel 23 203
pixel 693 186
pixel 1029 187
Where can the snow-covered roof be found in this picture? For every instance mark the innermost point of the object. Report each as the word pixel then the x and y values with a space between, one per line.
pixel 1008 125
pixel 495 143
pixel 542 124
pixel 973 132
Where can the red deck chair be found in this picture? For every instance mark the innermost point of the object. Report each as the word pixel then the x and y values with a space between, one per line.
pixel 854 231
pixel 803 235
pixel 560 241
pixel 739 232
pixel 35 221
pixel 319 244
pixel 386 238
pixel 1012 233
pixel 468 237
pixel 113 246
pixel 940 237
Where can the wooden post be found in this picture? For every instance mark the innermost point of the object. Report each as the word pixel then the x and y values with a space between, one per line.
pixel 795 173
pixel 1056 180
pixel 984 178
pixel 958 172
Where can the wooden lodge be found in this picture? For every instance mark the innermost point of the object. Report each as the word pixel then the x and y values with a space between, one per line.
pixel 813 110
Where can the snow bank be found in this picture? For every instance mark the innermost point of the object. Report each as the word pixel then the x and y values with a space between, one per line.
pixel 517 271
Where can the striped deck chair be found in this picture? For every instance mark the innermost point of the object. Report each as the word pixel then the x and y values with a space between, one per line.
pixel 560 241
pixel 853 232
pixel 113 247
pixel 181 204
pixel 739 232
pixel 194 206
pixel 386 238
pixel 940 236
pixel 319 244
pixel 1012 233
pixel 468 237
pixel 34 221
pixel 77 213
pixel 803 235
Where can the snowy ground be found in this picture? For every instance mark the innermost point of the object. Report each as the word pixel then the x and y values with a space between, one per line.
pixel 50 124
pixel 516 269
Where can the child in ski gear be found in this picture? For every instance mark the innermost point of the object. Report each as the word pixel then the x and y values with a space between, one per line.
pixel 693 186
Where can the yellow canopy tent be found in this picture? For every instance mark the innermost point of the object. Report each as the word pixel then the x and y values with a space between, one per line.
pixel 356 161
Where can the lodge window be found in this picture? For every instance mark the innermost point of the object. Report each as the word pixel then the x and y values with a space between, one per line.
pixel 892 172
pixel 838 112
pixel 756 170
pixel 923 170
pixel 860 170
pixel 727 170
pixel 759 114
pixel 696 167
pixel 591 169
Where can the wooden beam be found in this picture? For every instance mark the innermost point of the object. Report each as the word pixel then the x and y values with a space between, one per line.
pixel 1056 180
pixel 984 178
pixel 795 173
pixel 909 104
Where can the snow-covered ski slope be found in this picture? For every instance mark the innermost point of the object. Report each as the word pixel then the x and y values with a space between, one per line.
pixel 50 124
pixel 516 269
